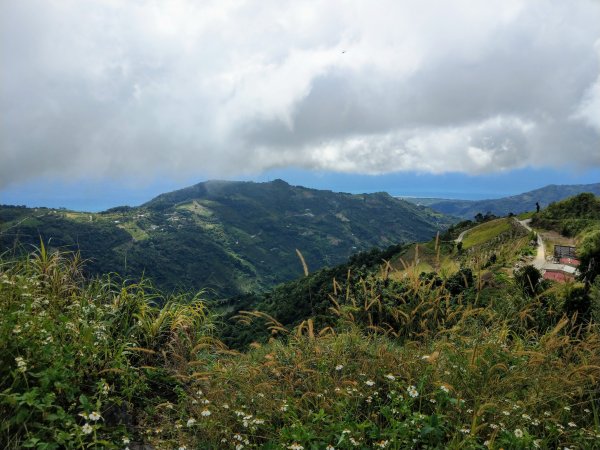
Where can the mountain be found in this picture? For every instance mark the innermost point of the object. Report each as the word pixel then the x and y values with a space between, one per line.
pixel 502 206
pixel 226 237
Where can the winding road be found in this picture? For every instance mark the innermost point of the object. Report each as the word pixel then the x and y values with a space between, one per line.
pixel 540 257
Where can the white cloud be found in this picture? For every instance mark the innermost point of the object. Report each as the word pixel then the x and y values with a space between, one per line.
pixel 131 89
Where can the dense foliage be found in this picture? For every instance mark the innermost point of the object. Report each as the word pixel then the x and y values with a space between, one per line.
pixel 228 238
pixel 97 364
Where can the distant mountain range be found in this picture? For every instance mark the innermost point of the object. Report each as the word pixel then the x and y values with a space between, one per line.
pixel 516 204
pixel 226 237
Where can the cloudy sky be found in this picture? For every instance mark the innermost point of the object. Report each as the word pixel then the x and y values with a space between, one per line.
pixel 143 95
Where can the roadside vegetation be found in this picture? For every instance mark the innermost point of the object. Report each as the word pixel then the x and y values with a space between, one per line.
pixel 427 360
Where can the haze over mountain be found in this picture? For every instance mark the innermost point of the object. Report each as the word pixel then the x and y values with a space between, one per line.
pixel 502 206
pixel 227 237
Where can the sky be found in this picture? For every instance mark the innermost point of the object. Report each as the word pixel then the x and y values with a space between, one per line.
pixel 104 103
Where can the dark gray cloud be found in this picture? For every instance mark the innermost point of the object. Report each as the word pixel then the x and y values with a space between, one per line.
pixel 132 89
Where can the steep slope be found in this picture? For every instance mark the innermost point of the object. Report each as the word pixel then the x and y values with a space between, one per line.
pixel 227 237
pixel 502 206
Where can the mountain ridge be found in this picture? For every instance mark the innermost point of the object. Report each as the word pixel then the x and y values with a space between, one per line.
pixel 224 236
pixel 502 206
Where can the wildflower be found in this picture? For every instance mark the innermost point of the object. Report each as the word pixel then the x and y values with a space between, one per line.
pixel 493 426
pixel 432 400
pixel 339 367
pixel 283 407
pixel 238 437
pixel 21 364
pixel 17 329
pixel 382 444
pixel 183 447
pixel 225 406
pixel 105 388
pixel 547 413
pixel 205 401
pixel 537 443
pixel 444 388
pixel 391 377
pixel 346 431
pixel 370 383
pixel 295 446
pixel 425 357
pixel 486 443
pixel 205 413
pixel 518 432
pixel 354 442
pixel 330 447
pixel 239 446
pixel 191 421
pixel 199 393
pixel 465 430
pixel 567 408
pixel 412 391
pixel 586 410
pixel 84 415
pixel 94 416
pixel 526 416
pixel 126 440
pixel 86 429
pixel 572 424
pixel 506 413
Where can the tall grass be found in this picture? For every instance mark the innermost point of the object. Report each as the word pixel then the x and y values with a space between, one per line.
pixel 422 363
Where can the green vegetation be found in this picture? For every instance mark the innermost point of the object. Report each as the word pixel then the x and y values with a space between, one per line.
pixel 228 238
pixel 485 232
pixel 423 362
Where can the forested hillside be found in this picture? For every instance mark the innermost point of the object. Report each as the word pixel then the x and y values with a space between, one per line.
pixel 225 237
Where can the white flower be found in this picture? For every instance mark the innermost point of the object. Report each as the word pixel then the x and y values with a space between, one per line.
pixel 354 442
pixel 191 421
pixel 506 413
pixel 412 391
pixel 346 431
pixel 295 446
pixel 370 383
pixel 205 413
pixel 183 447
pixel 86 429
pixel 94 416
pixel 21 364
pixel 537 442
pixel 518 433
pixel 17 329
pixel 572 424
pixel 239 446
pixel 444 388
pixel 567 408
pixel 126 440
pixel 382 444
pixel 486 443
pixel 330 447
pixel 391 377
pixel 339 367
pixel 465 430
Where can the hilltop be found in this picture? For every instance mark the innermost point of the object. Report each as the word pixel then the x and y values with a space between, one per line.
pixel 226 237
pixel 516 204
